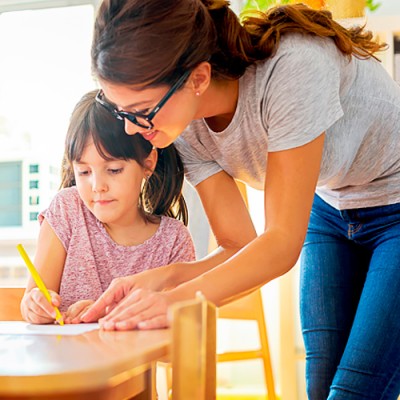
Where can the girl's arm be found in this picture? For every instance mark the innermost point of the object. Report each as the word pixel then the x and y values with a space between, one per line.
pixel 49 261
pixel 289 191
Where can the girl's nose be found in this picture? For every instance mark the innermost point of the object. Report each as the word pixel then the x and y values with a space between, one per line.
pixel 99 184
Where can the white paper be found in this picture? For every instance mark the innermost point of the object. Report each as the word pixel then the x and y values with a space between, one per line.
pixel 24 328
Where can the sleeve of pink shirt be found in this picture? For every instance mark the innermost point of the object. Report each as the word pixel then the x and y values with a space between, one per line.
pixel 183 248
pixel 62 214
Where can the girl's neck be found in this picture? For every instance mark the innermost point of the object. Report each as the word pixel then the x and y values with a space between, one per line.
pixel 132 234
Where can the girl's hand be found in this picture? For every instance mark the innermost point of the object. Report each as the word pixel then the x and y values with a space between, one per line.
pixel 36 309
pixel 76 310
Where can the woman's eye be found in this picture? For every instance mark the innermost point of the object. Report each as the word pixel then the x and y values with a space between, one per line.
pixel 82 173
pixel 142 112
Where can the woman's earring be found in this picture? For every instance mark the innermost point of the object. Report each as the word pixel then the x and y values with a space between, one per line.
pixel 197 93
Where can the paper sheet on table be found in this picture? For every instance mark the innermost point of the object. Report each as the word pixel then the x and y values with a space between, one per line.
pixel 24 328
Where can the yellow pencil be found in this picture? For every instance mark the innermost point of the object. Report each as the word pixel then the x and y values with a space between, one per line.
pixel 38 280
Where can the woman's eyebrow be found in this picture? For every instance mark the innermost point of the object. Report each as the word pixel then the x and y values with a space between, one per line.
pixel 137 104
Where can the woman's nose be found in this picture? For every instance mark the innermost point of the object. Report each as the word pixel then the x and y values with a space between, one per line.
pixel 131 128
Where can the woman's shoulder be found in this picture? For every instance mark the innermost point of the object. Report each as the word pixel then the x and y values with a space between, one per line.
pixel 301 47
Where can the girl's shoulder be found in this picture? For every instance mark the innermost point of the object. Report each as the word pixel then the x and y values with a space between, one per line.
pixel 68 198
pixel 171 231
pixel 175 237
pixel 172 225
pixel 66 204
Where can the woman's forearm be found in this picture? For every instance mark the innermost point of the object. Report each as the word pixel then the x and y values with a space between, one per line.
pixel 256 264
pixel 182 272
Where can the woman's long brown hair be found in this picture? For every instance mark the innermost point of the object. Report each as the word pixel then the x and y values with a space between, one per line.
pixel 152 42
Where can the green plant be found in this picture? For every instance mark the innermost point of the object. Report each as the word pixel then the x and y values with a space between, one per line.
pixel 371 5
pixel 262 4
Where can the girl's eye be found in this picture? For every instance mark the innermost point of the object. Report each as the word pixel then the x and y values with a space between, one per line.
pixel 82 173
pixel 115 171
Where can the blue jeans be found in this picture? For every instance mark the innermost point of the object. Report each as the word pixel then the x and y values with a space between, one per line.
pixel 350 302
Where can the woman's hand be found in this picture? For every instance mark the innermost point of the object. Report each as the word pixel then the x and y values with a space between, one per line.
pixel 76 310
pixel 36 309
pixel 141 309
pixel 129 308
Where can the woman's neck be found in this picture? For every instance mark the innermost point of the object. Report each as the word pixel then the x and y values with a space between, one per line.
pixel 220 101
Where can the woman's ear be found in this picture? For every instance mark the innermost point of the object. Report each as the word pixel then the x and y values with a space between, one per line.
pixel 150 163
pixel 200 78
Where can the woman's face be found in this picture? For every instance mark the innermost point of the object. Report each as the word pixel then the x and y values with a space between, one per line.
pixel 169 122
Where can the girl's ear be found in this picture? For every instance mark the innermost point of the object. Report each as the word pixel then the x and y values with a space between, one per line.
pixel 150 163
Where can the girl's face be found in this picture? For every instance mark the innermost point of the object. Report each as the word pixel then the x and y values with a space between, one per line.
pixel 110 189
pixel 169 122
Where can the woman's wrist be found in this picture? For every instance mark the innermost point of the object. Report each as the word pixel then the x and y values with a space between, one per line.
pixel 172 276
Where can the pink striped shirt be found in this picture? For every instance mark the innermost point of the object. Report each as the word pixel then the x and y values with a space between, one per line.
pixel 94 259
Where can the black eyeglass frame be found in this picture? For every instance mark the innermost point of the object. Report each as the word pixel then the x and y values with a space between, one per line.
pixel 132 117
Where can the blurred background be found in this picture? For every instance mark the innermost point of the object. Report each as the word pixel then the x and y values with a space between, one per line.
pixel 44 70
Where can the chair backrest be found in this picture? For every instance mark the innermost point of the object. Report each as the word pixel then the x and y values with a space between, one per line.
pixel 10 299
pixel 194 350
pixel 248 307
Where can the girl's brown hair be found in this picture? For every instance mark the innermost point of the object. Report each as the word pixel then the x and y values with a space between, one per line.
pixel 152 42
pixel 162 192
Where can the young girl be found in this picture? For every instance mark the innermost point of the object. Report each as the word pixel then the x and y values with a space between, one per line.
pixel 291 103
pixel 113 217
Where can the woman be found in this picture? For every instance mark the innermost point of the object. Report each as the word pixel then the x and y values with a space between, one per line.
pixel 291 103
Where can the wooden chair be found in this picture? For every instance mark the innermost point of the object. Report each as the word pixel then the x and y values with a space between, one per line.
pixel 10 299
pixel 194 350
pixel 250 308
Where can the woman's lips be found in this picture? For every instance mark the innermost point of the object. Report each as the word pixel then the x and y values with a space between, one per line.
pixel 149 135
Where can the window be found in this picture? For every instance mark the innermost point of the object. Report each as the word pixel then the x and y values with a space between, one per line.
pixel 33 168
pixel 33 216
pixel 10 194
pixel 34 184
pixel 33 200
pixel 54 170
pixel 44 71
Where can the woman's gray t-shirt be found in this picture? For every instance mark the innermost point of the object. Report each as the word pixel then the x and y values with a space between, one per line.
pixel 307 88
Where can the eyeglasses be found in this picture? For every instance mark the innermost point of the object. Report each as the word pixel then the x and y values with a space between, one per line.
pixel 140 119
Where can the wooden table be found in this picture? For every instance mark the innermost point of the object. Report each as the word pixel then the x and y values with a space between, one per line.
pixel 96 365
